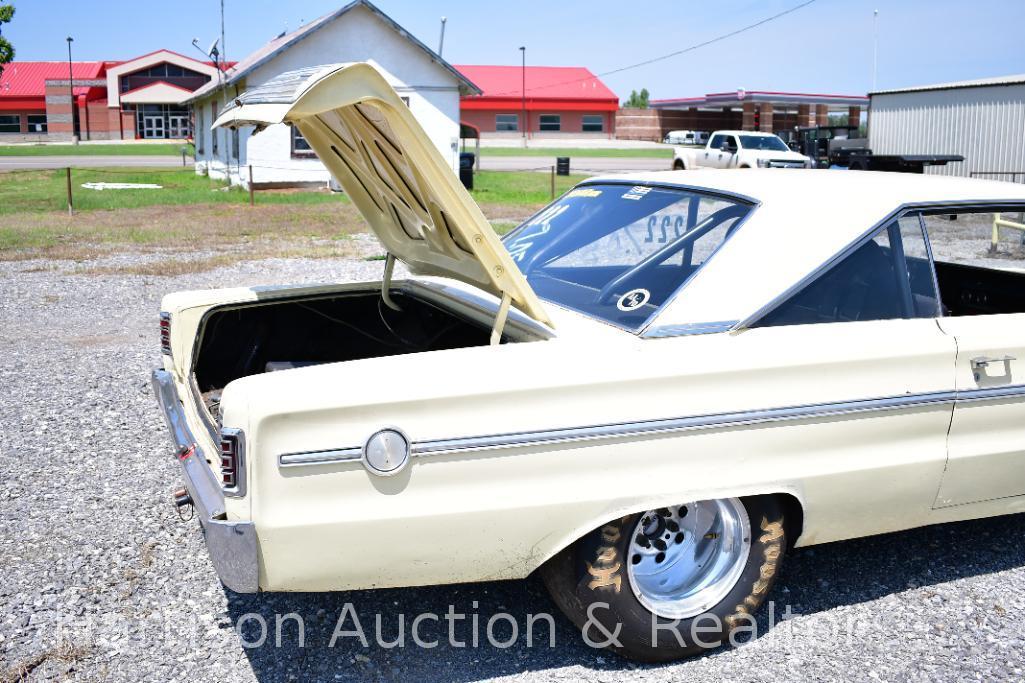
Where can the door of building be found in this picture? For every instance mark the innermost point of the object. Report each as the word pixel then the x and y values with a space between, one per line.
pixel 153 126
pixel 178 127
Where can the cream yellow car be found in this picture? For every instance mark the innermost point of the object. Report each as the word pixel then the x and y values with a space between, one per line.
pixel 648 391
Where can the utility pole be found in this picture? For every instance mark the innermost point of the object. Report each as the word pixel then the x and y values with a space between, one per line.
pixel 875 47
pixel 523 90
pixel 441 41
pixel 71 90
pixel 222 57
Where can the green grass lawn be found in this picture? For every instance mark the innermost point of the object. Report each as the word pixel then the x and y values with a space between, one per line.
pixel 644 152
pixel 128 150
pixel 36 191
pixel 46 190
pixel 192 210
pixel 519 187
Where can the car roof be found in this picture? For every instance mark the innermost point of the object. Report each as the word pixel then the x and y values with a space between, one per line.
pixel 746 132
pixel 802 219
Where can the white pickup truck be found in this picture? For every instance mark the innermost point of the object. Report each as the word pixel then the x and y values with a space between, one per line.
pixel 740 149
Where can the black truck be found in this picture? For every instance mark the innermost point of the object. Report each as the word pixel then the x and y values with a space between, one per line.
pixel 840 146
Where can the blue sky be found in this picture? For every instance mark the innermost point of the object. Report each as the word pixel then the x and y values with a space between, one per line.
pixel 825 47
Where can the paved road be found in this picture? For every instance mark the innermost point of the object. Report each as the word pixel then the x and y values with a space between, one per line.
pixel 23 163
pixel 576 165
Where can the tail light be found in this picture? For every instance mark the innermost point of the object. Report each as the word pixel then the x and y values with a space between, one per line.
pixel 233 479
pixel 165 333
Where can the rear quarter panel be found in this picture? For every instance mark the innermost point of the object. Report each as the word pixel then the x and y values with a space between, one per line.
pixel 499 513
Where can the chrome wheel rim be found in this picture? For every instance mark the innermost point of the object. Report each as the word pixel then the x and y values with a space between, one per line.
pixel 684 560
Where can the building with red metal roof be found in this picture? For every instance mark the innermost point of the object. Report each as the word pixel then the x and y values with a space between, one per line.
pixel 538 100
pixel 113 100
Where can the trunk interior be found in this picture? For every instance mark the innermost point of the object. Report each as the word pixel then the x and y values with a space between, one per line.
pixel 250 339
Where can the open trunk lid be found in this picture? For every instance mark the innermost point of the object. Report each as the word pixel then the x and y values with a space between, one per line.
pixel 373 145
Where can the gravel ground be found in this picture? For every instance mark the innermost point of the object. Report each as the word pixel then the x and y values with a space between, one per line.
pixel 101 581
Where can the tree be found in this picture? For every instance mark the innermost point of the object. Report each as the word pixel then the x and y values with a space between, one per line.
pixel 6 49
pixel 637 100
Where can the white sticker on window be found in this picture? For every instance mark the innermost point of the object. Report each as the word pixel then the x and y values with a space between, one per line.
pixel 633 299
pixel 637 192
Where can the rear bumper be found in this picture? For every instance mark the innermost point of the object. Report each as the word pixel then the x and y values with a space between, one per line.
pixel 232 545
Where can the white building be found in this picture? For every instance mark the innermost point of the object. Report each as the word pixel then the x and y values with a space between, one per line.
pixel 983 120
pixel 357 32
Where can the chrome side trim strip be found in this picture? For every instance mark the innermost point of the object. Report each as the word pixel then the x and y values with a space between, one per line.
pixel 680 424
pixel 991 393
pixel 686 329
pixel 638 428
pixel 337 455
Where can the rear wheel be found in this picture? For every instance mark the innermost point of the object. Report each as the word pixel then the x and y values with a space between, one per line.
pixel 672 582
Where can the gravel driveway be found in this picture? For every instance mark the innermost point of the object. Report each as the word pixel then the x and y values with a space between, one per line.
pixel 101 581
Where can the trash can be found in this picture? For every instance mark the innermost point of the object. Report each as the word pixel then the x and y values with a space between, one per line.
pixel 562 166
pixel 466 160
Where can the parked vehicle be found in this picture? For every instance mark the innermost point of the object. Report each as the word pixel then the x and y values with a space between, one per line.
pixel 740 149
pixel 686 137
pixel 839 146
pixel 626 395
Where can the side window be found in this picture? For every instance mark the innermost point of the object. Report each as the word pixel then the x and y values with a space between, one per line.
pixel 979 256
pixel 200 131
pixel 731 140
pixel 921 278
pixel 717 141
pixel 873 282
pixel 213 133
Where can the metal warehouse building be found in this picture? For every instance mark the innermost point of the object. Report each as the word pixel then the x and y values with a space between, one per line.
pixel 982 120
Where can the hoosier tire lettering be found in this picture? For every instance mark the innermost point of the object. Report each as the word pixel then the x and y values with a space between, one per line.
pixel 593 570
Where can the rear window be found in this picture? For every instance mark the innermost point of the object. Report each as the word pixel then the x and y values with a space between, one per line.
pixel 619 252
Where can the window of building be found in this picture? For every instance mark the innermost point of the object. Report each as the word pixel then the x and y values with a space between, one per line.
pixel 300 148
pixel 173 70
pixel 37 123
pixel 10 123
pixel 507 121
pixel 234 144
pixel 213 133
pixel 593 123
pixel 888 277
pixel 200 131
pixel 550 122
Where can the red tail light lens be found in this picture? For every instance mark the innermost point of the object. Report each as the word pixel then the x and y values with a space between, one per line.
pixel 232 462
pixel 165 333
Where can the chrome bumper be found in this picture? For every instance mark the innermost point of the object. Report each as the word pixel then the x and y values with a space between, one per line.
pixel 232 545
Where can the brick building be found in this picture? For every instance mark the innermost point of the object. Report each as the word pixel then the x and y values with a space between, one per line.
pixel 768 111
pixel 558 101
pixel 139 98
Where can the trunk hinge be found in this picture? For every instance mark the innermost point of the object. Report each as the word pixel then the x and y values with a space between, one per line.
pixel 503 314
pixel 389 268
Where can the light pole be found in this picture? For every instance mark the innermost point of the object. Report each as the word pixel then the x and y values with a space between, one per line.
pixel 875 46
pixel 71 90
pixel 523 89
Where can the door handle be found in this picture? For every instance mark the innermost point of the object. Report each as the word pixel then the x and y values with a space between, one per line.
pixel 983 361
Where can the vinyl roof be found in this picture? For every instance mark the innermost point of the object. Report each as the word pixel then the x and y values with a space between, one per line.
pixel 286 40
pixel 543 82
pixel 1014 79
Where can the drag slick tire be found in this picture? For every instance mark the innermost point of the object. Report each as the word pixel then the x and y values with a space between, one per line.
pixel 673 582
